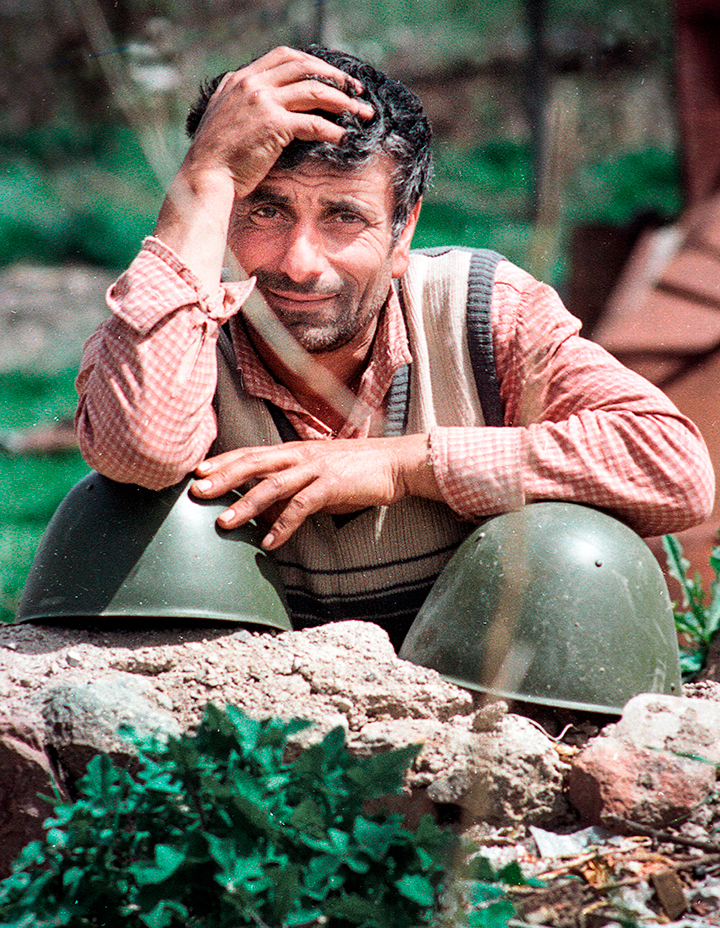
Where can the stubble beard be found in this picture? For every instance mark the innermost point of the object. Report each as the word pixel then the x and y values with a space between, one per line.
pixel 343 319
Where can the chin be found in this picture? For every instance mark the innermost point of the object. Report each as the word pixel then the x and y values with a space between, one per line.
pixel 320 341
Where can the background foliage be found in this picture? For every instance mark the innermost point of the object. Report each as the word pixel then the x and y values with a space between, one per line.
pixel 95 92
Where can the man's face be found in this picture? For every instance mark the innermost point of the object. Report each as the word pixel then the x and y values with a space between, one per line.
pixel 319 241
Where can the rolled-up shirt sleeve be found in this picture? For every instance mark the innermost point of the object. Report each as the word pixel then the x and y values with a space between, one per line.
pixel 579 426
pixel 148 375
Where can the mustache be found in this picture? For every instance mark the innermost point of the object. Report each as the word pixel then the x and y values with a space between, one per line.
pixel 275 280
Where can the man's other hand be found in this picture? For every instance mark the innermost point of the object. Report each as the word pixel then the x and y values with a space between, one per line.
pixel 297 479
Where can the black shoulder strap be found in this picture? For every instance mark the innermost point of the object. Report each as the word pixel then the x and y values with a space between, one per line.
pixel 479 330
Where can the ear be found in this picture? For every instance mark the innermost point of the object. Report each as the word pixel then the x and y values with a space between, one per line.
pixel 401 249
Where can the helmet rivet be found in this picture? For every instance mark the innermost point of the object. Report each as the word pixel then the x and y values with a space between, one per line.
pixel 598 563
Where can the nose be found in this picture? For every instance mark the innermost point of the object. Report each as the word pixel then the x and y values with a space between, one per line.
pixel 303 257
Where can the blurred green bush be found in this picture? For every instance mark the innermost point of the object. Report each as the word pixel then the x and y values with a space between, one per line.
pixel 72 193
pixel 76 193
pixel 34 485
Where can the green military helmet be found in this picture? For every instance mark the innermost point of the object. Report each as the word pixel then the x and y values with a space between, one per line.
pixel 557 604
pixel 115 553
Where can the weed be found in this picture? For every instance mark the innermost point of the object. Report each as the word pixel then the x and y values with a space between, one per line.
pixel 698 619
pixel 218 829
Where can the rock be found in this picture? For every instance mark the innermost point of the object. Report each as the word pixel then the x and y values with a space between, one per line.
pixel 75 688
pixel 511 775
pixel 25 774
pixel 653 767
pixel 671 723
pixel 89 718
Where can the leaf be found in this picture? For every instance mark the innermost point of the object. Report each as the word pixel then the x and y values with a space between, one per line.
pixel 303 917
pixel 497 915
pixel 692 662
pixel 417 888
pixel 512 875
pixel 340 840
pixel 307 816
pixel 480 869
pixel 432 839
pixel 320 876
pixel 238 871
pixel 101 779
pixel 352 907
pixel 287 882
pixel 484 892
pixel 383 774
pixel 678 567
pixel 163 914
pixel 168 859
pixel 373 838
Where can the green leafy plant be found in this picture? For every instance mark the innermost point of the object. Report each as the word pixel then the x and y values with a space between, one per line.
pixel 698 618
pixel 477 896
pixel 216 829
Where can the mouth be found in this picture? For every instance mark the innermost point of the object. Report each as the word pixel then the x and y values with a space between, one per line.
pixel 298 301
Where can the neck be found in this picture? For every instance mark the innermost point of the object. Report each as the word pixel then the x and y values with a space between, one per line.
pixel 346 365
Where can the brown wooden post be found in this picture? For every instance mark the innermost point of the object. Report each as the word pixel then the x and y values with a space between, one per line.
pixel 697 66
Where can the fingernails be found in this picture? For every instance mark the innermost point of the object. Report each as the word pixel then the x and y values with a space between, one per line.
pixel 225 518
pixel 203 485
pixel 268 540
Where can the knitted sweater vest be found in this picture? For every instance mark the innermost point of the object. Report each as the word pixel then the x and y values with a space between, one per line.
pixel 380 564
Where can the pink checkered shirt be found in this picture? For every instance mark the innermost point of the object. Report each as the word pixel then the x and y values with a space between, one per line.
pixel 578 425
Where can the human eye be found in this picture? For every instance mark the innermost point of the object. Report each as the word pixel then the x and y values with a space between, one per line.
pixel 264 213
pixel 347 219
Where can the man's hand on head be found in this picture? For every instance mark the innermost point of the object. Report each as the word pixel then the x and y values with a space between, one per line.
pixel 258 110
pixel 297 479
pixel 252 116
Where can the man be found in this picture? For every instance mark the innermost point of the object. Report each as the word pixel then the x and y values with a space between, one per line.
pixel 311 167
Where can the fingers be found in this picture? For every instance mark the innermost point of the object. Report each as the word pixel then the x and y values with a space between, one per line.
pixel 224 472
pixel 298 479
pixel 311 94
pixel 285 65
pixel 281 477
pixel 276 98
pixel 299 82
pixel 302 494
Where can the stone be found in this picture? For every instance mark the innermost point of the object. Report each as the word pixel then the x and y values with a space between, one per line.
pixel 512 775
pixel 611 783
pixel 26 774
pixel 653 767
pixel 82 720
pixel 479 765
pixel 672 723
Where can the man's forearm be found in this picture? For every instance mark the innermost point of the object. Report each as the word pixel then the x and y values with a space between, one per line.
pixel 148 375
pixel 194 220
pixel 651 470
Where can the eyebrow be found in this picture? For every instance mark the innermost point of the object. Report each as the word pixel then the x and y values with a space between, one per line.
pixel 265 194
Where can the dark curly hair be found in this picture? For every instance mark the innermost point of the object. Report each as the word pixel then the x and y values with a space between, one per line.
pixel 400 128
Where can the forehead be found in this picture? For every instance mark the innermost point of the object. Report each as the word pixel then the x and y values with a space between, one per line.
pixel 370 183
